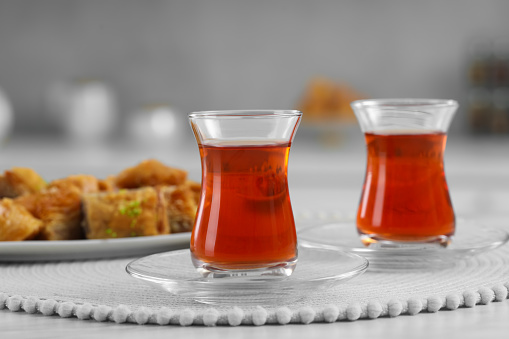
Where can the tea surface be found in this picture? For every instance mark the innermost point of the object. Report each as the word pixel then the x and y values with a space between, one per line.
pixel 405 195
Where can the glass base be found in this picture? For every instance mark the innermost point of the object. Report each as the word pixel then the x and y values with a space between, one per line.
pixel 375 241
pixel 247 271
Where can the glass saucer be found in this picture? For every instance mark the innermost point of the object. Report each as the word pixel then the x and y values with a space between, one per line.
pixel 317 268
pixel 469 240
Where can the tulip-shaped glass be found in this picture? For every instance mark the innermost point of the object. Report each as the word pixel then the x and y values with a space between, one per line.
pixel 244 224
pixel 405 198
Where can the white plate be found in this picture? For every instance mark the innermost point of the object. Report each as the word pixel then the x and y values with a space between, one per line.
pixel 40 250
pixel 317 269
pixel 470 239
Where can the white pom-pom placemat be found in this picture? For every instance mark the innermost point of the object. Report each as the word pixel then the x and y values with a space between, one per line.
pixel 101 290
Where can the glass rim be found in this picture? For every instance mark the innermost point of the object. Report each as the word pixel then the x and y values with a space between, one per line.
pixel 404 102
pixel 245 113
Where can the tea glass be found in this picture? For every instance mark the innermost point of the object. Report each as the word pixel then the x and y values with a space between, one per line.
pixel 244 226
pixel 405 197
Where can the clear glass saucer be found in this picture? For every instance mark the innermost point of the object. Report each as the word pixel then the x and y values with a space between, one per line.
pixel 469 240
pixel 317 269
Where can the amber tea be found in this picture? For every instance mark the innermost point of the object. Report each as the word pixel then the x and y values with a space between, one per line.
pixel 405 195
pixel 245 213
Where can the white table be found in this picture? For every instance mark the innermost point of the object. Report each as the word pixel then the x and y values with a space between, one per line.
pixel 488 321
pixel 478 176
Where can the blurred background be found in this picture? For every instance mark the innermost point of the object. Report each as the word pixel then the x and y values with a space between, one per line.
pixel 221 54
pixel 128 71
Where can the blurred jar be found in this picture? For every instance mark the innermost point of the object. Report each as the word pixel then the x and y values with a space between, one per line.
pixel 86 110
pixel 480 66
pixel 501 62
pixel 6 117
pixel 500 122
pixel 156 125
pixel 480 110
